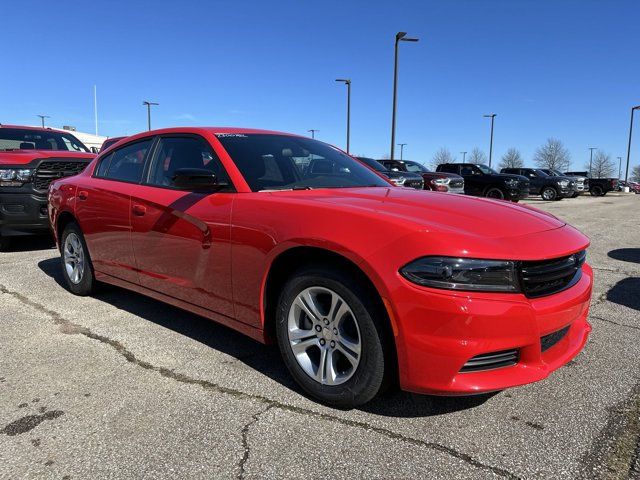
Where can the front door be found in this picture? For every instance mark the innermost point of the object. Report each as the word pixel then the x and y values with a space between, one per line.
pixel 181 239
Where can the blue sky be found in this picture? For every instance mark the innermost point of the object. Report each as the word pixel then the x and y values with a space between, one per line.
pixel 565 69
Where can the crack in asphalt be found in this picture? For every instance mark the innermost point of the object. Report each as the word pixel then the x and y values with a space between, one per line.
pixel 614 452
pixel 68 327
pixel 635 327
pixel 245 440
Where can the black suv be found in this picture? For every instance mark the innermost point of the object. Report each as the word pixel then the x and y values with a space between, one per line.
pixel 399 179
pixel 483 181
pixel 549 187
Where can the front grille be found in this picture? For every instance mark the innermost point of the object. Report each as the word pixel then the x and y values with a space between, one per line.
pixel 489 361
pixel 546 277
pixel 550 340
pixel 414 184
pixel 456 183
pixel 50 170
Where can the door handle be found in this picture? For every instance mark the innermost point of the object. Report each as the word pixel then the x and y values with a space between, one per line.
pixel 139 210
pixel 82 195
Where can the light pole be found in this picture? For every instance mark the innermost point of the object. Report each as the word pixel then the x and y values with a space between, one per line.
pixel 626 175
pixel 42 117
pixel 347 82
pixel 464 155
pixel 400 37
pixel 401 145
pixel 619 167
pixel 492 116
pixel 591 149
pixel 148 104
pixel 313 132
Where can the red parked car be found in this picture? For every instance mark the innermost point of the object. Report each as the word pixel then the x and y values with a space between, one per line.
pixel 290 240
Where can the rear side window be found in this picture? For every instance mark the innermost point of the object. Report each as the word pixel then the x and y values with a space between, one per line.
pixel 184 152
pixel 126 163
pixel 445 167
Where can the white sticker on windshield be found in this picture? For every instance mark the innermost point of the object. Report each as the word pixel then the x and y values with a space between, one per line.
pixel 224 135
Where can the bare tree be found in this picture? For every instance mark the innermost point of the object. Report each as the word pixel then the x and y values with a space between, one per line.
pixel 553 155
pixel 442 156
pixel 512 159
pixel 477 156
pixel 635 174
pixel 602 166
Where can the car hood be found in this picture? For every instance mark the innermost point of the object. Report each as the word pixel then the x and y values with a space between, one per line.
pixel 408 175
pixel 441 175
pixel 512 175
pixel 24 157
pixel 419 210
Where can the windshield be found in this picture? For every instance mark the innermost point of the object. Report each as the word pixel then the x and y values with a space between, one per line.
pixel 415 167
pixel 283 162
pixel 373 164
pixel 556 173
pixel 487 170
pixel 541 173
pixel 26 139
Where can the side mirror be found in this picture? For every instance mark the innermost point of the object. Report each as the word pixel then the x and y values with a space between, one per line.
pixel 196 179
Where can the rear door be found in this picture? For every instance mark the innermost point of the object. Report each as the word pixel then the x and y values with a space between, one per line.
pixel 103 209
pixel 181 239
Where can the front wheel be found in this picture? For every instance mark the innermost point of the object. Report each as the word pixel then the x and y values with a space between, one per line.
pixel 331 337
pixel 494 192
pixel 77 269
pixel 4 243
pixel 549 193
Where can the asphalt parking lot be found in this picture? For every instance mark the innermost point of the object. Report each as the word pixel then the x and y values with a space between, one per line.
pixel 121 386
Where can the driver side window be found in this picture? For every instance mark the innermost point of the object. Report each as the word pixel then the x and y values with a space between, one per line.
pixel 174 153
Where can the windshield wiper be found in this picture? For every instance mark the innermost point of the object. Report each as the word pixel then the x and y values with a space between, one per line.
pixel 301 187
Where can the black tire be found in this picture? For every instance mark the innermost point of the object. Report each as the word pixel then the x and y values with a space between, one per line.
pixel 86 284
pixel 549 193
pixel 374 370
pixel 5 242
pixel 596 191
pixel 495 192
pixel 575 194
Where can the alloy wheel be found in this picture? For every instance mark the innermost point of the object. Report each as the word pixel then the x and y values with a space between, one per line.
pixel 74 259
pixel 324 336
pixel 495 193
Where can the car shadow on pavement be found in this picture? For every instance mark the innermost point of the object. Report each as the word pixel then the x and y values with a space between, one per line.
pixel 626 292
pixel 30 243
pixel 626 254
pixel 262 358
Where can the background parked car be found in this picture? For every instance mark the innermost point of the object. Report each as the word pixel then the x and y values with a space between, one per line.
pixel 399 179
pixel 437 181
pixel 549 187
pixel 598 187
pixel 110 141
pixel 581 181
pixel 30 158
pixel 483 181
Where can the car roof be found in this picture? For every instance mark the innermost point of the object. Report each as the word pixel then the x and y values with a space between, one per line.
pixel 25 127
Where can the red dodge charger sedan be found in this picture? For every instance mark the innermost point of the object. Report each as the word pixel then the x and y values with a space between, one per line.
pixel 290 240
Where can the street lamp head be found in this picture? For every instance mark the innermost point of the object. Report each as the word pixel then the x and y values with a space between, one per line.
pixel 637 107
pixel 149 103
pixel 401 36
pixel 490 115
pixel 346 81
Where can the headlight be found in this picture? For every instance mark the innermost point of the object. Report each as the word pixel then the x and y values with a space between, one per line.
pixel 12 177
pixel 463 274
pixel 563 183
pixel 512 182
pixel 398 182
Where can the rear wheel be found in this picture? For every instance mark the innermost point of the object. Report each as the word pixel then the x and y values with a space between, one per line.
pixel 549 193
pixel 575 194
pixel 77 269
pixel 331 337
pixel 494 192
pixel 596 191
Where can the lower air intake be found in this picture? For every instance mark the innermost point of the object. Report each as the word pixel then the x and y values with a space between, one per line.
pixel 489 361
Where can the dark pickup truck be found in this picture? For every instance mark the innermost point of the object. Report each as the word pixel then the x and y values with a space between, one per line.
pixel 399 179
pixel 549 187
pixel 483 181
pixel 30 159
pixel 598 187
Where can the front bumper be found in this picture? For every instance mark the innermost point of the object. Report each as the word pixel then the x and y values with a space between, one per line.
pixel 438 331
pixel 23 214
pixel 456 190
pixel 517 194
